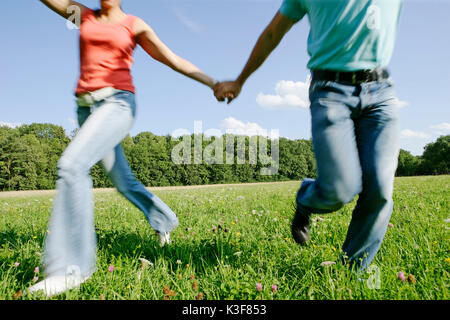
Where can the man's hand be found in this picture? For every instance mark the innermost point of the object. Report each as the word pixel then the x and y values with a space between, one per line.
pixel 227 90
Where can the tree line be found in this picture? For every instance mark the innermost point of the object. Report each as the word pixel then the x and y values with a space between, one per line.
pixel 29 156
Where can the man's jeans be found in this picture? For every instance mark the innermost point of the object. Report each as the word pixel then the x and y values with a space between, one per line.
pixel 71 243
pixel 356 144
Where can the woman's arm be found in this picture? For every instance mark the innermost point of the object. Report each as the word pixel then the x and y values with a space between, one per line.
pixel 149 41
pixel 62 7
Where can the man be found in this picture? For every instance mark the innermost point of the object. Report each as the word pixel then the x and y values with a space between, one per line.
pixel 353 113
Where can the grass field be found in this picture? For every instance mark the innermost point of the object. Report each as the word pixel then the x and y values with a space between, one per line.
pixel 232 238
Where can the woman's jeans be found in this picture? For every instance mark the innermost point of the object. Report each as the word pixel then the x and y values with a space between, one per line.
pixel 356 144
pixel 70 245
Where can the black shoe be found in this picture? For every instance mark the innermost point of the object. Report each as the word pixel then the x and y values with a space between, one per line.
pixel 300 226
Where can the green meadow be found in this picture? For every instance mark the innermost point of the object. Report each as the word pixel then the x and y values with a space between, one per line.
pixel 234 242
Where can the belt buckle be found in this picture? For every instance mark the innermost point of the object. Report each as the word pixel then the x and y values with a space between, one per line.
pixel 353 77
pixel 89 98
pixel 379 74
pixel 85 100
pixel 101 94
pixel 374 75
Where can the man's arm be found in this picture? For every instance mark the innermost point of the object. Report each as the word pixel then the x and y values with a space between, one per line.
pixel 149 41
pixel 61 7
pixel 266 43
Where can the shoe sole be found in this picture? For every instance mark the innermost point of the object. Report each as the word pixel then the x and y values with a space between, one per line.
pixel 56 285
pixel 300 228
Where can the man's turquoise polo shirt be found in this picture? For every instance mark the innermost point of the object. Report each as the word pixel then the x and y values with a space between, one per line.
pixel 348 35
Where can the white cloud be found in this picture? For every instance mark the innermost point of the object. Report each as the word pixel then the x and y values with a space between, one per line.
pixel 289 95
pixel 441 128
pixel 295 95
pixel 407 133
pixel 73 122
pixel 190 24
pixel 401 103
pixel 234 126
pixel 9 125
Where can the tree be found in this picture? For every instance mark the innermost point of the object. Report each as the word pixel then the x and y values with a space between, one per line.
pixel 7 136
pixel 29 156
pixel 53 141
pixel 435 158
pixel 28 161
pixel 408 165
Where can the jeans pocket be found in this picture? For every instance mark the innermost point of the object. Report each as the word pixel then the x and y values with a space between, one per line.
pixel 316 86
pixel 389 82
pixel 82 114
pixel 126 99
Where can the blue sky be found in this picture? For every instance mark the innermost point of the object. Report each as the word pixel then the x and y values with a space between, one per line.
pixel 39 68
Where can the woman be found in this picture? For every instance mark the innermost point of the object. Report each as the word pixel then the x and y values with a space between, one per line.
pixel 106 110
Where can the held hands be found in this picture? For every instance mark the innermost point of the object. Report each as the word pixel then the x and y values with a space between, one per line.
pixel 227 90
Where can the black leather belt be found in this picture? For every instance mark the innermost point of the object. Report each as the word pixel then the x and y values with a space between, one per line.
pixel 355 77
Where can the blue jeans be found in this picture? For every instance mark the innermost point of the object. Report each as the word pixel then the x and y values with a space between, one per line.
pixel 356 144
pixel 71 241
